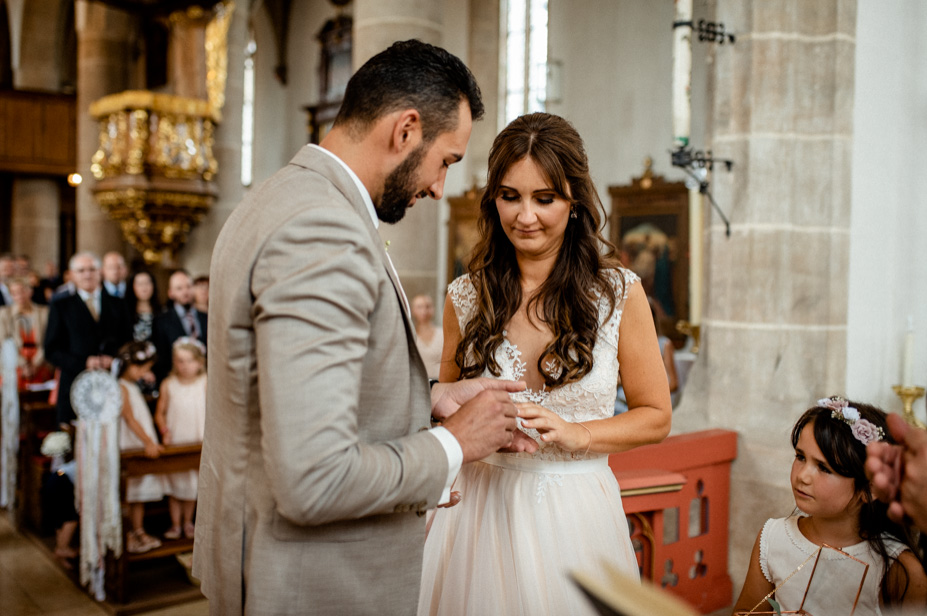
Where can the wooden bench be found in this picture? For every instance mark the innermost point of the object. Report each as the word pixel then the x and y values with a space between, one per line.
pixel 676 496
pixel 135 464
pixel 37 417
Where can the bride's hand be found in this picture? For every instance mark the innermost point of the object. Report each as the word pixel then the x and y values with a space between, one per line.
pixel 553 428
pixel 521 442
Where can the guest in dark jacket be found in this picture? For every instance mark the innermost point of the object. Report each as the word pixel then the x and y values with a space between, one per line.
pixel 179 319
pixel 85 330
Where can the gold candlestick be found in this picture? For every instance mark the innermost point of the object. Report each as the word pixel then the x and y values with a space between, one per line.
pixel 908 395
pixel 684 327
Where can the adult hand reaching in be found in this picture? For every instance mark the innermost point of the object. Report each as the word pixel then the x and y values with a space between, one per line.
pixel 898 473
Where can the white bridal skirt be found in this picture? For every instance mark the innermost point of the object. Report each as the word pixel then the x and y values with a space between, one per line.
pixel 522 525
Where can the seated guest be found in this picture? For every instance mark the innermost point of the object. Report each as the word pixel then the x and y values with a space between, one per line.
pixel 114 274
pixel 428 339
pixel 25 323
pixel 85 330
pixel 142 303
pixel 7 270
pixel 180 318
pixel 201 294
pixel 58 495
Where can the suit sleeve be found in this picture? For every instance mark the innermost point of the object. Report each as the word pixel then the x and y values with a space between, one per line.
pixel 57 341
pixel 315 286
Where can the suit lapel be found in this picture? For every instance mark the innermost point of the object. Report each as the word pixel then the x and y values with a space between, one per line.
pixel 311 158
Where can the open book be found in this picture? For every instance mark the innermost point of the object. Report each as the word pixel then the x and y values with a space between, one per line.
pixel 615 594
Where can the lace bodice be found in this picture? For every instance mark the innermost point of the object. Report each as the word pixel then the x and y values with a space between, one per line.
pixel 592 397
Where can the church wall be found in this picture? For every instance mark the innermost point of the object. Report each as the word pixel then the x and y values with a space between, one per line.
pixel 616 61
pixel 889 211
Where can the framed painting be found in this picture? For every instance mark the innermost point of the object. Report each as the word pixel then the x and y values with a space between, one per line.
pixel 463 231
pixel 650 227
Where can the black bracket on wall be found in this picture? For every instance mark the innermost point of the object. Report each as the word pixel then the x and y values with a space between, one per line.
pixel 694 164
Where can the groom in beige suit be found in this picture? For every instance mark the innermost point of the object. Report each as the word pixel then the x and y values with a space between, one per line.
pixel 318 461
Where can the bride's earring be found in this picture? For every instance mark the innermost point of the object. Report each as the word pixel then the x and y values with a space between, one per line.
pixel 573 212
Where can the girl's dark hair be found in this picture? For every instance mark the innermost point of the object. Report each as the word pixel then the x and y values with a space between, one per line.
pixel 568 299
pixel 132 301
pixel 136 354
pixel 846 455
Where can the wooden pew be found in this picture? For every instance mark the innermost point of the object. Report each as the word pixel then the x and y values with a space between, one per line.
pixel 676 496
pixel 135 464
pixel 36 419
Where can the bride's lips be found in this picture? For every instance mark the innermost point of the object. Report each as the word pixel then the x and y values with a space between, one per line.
pixel 527 232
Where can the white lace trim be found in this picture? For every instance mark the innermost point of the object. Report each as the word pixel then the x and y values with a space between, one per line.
pixel 593 397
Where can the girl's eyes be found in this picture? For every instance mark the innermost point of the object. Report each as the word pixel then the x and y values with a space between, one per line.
pixel 800 457
pixel 824 469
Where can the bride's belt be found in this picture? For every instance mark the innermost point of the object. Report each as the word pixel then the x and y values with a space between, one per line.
pixel 553 467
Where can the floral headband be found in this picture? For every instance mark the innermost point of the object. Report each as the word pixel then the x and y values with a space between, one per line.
pixel 863 430
pixel 145 354
pixel 188 341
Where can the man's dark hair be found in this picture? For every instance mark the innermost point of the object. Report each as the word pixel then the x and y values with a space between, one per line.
pixel 411 75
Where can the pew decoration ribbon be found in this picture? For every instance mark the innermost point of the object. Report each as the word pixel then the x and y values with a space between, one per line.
pixel 97 400
pixel 9 423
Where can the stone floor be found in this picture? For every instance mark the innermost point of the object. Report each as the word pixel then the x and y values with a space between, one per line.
pixel 31 583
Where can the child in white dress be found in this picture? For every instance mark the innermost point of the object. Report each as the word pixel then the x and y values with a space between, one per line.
pixel 181 417
pixel 137 432
pixel 835 508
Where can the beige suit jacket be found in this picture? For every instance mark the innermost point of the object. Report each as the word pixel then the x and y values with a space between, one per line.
pixel 315 468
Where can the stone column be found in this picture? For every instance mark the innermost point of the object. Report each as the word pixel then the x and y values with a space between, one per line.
pixel 377 25
pixel 35 199
pixel 775 327
pixel 484 62
pixel 104 50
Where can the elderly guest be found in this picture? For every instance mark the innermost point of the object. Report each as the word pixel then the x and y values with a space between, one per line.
pixel 25 323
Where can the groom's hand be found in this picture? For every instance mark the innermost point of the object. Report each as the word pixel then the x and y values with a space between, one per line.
pixel 446 398
pixel 484 424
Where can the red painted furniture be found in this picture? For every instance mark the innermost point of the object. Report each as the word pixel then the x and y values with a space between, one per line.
pixel 676 497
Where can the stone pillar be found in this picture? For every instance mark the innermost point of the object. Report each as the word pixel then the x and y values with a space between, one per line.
pixel 484 62
pixel 35 199
pixel 35 216
pixel 104 49
pixel 377 25
pixel 775 326
pixel 196 255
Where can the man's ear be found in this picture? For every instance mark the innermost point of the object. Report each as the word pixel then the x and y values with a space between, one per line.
pixel 407 130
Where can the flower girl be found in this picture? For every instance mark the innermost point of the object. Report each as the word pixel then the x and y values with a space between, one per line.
pixel 137 432
pixel 181 417
pixel 835 507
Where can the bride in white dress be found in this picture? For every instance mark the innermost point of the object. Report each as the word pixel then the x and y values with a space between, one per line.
pixel 545 303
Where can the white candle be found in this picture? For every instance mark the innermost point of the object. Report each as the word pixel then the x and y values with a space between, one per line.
pixel 695 257
pixel 907 358
pixel 682 74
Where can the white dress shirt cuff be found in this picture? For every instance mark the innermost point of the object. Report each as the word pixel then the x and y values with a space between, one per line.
pixel 454 459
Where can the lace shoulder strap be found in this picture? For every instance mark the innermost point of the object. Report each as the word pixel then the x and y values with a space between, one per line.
pixel 463 296
pixel 623 279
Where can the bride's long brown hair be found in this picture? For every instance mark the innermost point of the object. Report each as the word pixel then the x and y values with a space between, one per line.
pixel 568 300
